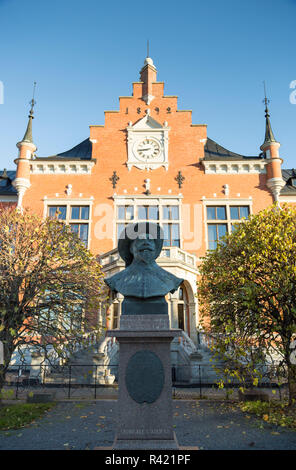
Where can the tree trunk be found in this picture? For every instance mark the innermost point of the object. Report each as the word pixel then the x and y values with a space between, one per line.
pixel 2 380
pixel 292 384
pixel 7 350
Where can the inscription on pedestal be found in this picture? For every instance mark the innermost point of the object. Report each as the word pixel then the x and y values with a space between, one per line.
pixel 144 322
pixel 144 377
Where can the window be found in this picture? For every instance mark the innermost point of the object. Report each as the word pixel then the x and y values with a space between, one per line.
pixel 215 233
pixel 82 232
pixel 171 235
pixel 231 215
pixel 73 215
pixel 57 212
pixel 239 212
pixel 183 319
pixel 115 315
pixel 166 214
pixel 125 212
pixel 216 213
pixel 80 212
pixel 120 228
pixel 148 213
pixel 170 212
pixel 181 323
pixel 181 293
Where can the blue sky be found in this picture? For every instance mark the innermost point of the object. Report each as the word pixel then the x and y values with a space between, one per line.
pixel 84 54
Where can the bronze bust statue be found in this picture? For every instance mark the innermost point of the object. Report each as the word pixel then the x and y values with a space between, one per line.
pixel 143 283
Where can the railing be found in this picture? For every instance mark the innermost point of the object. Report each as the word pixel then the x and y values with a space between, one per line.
pixel 109 257
pixel 206 340
pixel 86 340
pixel 175 253
pixel 171 252
pixel 94 380
pixel 107 345
pixel 187 343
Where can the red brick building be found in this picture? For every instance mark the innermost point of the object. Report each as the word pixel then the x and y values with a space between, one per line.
pixel 148 161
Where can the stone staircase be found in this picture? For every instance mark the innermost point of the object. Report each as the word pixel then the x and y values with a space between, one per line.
pixel 99 363
pixel 81 367
pixel 193 364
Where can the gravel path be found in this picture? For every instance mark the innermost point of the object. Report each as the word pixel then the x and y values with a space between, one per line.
pixel 207 425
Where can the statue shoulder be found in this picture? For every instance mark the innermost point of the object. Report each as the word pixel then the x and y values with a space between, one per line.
pixel 112 281
pixel 173 282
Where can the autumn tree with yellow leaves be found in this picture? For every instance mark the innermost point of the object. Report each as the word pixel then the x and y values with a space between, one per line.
pixel 47 280
pixel 247 293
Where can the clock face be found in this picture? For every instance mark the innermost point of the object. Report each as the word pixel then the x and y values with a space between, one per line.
pixel 148 148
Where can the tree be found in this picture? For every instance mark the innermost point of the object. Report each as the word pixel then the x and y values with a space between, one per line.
pixel 247 292
pixel 47 280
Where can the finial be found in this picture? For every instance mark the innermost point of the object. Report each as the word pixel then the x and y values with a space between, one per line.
pixel 148 60
pixel 32 102
pixel 266 101
pixel 28 134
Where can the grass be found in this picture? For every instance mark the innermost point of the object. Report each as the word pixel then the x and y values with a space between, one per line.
pixel 19 415
pixel 277 413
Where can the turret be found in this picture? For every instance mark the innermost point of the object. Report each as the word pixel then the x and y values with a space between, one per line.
pixel 270 148
pixel 26 151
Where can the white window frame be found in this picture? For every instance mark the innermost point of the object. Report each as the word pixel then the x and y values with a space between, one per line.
pixel 213 202
pixel 141 200
pixel 68 203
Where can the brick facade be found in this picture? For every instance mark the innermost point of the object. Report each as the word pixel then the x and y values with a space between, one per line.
pixel 209 176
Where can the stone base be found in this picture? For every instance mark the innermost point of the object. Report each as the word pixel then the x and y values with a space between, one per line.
pixel 147 444
pixel 153 305
pixel 146 323
pixel 145 412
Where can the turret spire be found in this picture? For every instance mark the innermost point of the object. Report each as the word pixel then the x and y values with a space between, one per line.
pixel 270 148
pixel 269 136
pixel 26 152
pixel 28 134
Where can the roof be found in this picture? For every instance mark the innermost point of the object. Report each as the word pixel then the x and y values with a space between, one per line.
pixel 288 189
pixel 6 188
pixel 82 151
pixel 28 134
pixel 269 136
pixel 214 151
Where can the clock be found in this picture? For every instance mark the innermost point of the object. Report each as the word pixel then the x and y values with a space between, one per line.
pixel 148 148
pixel 147 144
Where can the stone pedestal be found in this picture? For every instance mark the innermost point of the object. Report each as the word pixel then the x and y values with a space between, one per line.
pixel 145 383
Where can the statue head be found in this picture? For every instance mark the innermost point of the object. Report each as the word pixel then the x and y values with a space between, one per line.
pixel 143 248
pixel 140 242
